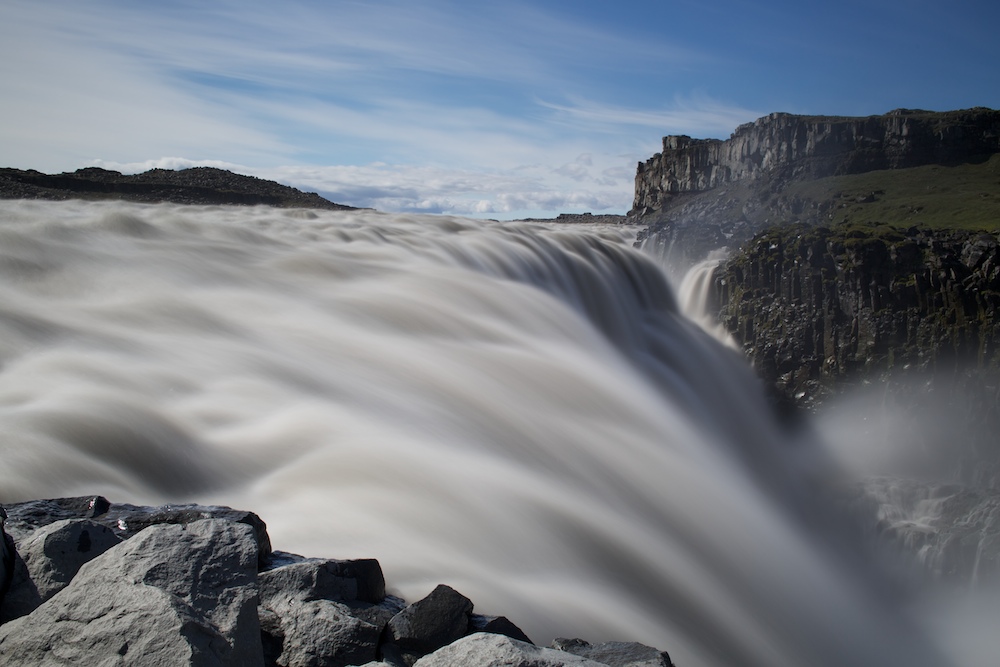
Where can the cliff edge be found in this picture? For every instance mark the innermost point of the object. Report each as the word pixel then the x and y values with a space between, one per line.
pixel 787 146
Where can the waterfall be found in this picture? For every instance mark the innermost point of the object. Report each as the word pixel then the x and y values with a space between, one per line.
pixel 521 411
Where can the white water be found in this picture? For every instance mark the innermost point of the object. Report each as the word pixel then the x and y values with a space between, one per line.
pixel 516 410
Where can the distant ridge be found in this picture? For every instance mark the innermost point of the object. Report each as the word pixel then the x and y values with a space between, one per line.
pixel 197 185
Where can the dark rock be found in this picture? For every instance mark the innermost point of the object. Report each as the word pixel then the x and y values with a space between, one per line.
pixel 489 650
pixel 198 185
pixel 322 613
pixel 316 633
pixel 615 654
pixel 427 625
pixel 498 625
pixel 7 557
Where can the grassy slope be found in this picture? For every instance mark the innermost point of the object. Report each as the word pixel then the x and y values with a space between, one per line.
pixel 960 197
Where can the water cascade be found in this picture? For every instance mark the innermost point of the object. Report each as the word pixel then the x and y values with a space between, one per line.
pixel 517 410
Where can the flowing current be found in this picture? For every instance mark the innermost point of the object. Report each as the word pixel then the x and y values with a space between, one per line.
pixel 517 410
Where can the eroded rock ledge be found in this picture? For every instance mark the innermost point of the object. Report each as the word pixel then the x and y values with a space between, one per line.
pixel 91 582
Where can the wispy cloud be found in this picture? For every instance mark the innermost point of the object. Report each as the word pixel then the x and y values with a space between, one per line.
pixel 697 114
pixel 484 109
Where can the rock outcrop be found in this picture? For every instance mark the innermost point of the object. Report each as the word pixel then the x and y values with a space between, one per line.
pixel 815 305
pixel 93 582
pixel 198 185
pixel 787 146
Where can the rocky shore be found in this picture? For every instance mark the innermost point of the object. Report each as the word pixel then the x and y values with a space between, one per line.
pixel 86 581
pixel 198 185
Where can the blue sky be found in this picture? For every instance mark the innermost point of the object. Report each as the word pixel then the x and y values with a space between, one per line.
pixel 500 109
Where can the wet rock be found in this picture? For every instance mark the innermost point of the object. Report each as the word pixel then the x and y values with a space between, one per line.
pixel 488 650
pixel 615 654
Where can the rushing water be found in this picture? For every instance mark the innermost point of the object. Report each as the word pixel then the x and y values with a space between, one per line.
pixel 517 410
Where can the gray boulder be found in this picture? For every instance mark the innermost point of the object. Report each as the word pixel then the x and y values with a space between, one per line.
pixel 491 650
pixel 49 558
pixel 127 520
pixel 323 613
pixel 615 654
pixel 172 590
pixel 314 579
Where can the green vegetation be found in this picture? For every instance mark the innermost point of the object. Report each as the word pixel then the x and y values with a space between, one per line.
pixel 961 197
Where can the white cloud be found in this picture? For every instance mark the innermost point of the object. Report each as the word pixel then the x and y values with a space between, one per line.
pixel 694 115
pixel 343 98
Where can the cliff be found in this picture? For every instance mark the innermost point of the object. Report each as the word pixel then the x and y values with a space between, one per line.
pixel 788 146
pixel 198 185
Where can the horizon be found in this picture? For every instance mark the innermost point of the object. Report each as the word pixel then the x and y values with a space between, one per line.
pixel 527 109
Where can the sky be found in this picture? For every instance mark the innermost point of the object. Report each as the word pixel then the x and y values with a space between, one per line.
pixel 520 108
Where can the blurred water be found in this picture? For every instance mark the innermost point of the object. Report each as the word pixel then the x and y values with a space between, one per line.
pixel 517 410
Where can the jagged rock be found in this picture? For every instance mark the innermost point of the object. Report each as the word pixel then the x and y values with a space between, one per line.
pixel 127 520
pixel 187 590
pixel 427 625
pixel 322 613
pixel 615 654
pixel 315 579
pixel 814 146
pixel 49 558
pixel 490 650
pixel 499 625
pixel 816 304
pixel 179 589
pixel 317 633
pixel 129 624
pixel 6 557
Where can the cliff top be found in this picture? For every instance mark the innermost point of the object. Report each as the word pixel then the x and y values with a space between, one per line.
pixel 197 185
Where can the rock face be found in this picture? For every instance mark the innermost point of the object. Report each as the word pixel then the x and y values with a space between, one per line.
pixel 949 532
pixel 814 305
pixel 198 185
pixel 786 146
pixel 93 582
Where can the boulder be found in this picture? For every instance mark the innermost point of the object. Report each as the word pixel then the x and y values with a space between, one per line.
pixel 323 613
pixel 314 579
pixel 427 625
pixel 490 650
pixel 615 654
pixel 498 625
pixel 49 558
pixel 169 592
pixel 130 624
pixel 128 520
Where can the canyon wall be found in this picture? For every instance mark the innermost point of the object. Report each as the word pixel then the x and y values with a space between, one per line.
pixel 791 146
